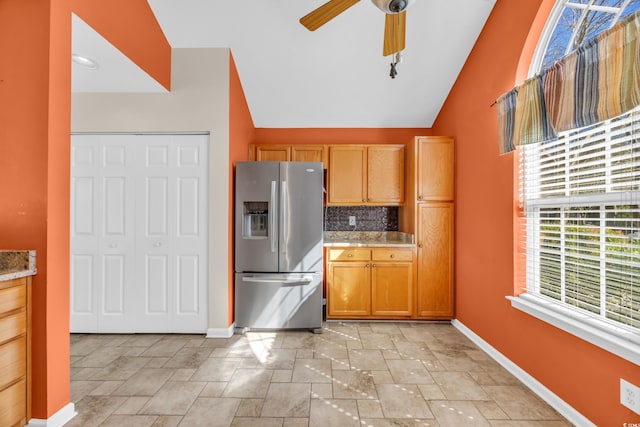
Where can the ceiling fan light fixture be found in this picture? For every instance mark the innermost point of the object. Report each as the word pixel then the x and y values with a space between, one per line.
pixel 84 62
pixel 393 6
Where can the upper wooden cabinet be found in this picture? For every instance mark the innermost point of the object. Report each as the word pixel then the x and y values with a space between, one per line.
pixel 347 175
pixel 366 175
pixel 288 153
pixel 385 174
pixel 435 169
pixel 275 153
pixel 308 153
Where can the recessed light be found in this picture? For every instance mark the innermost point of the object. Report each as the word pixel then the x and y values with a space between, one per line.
pixel 84 62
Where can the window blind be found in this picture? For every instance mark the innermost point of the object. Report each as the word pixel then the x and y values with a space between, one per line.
pixel 581 198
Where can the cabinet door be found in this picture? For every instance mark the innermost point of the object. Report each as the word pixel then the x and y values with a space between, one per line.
pixel 349 293
pixel 308 153
pixel 274 153
pixel 392 289
pixel 435 260
pixel 435 169
pixel 385 175
pixel 347 175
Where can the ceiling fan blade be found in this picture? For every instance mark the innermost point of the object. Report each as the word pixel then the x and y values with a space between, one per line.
pixel 394 31
pixel 326 13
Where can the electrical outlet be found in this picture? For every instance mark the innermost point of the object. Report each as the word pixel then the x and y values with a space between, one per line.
pixel 630 396
pixel 352 220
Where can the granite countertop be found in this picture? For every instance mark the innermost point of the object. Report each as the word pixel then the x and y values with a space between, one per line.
pixel 368 238
pixel 15 264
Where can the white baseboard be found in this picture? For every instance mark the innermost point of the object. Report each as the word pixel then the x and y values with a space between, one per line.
pixel 220 332
pixel 58 419
pixel 537 387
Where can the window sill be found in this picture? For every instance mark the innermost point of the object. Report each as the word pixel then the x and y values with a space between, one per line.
pixel 619 341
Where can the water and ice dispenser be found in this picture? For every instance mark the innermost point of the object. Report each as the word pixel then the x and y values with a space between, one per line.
pixel 255 220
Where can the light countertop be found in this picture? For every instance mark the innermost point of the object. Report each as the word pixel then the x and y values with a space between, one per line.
pixel 368 238
pixel 16 264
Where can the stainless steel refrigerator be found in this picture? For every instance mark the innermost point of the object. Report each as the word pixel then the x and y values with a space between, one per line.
pixel 278 245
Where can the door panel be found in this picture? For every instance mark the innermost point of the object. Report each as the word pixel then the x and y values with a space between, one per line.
pixel 301 219
pixel 188 284
pixel 85 197
pixel 257 191
pixel 435 260
pixel 188 190
pixel 139 207
pixel 156 292
pixel 116 294
pixel 113 285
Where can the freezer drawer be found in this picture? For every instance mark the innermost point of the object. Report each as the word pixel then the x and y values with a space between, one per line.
pixel 278 301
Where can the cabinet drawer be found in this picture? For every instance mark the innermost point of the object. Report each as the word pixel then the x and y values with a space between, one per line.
pixel 349 254
pixel 13 406
pixel 12 298
pixel 13 356
pixel 392 254
pixel 13 325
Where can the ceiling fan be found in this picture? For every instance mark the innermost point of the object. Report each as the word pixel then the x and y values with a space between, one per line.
pixel 394 26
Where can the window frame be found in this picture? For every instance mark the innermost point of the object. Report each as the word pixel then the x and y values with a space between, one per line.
pixel 617 339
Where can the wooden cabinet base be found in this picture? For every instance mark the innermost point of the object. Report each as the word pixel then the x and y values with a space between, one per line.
pixel 12 404
pixel 15 351
pixel 370 283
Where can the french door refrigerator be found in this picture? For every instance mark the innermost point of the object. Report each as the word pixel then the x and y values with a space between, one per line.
pixel 278 245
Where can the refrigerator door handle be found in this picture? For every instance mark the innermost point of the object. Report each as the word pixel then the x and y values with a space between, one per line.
pixel 273 217
pixel 304 279
pixel 285 215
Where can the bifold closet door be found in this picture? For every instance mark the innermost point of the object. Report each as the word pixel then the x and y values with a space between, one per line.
pixel 138 233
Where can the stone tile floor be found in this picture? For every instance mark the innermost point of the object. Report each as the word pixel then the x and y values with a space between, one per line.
pixel 354 374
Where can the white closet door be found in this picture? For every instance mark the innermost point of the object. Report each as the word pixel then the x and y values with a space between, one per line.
pixel 147 260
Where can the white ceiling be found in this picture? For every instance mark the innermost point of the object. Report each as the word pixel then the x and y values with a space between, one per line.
pixel 333 77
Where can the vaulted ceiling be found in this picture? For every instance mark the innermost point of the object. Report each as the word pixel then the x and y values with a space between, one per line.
pixel 333 77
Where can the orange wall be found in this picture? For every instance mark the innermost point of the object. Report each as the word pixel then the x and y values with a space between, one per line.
pixel 35 94
pixel 338 136
pixel 132 27
pixel 584 376
pixel 241 134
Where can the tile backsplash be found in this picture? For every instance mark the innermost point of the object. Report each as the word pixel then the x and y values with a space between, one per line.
pixel 368 218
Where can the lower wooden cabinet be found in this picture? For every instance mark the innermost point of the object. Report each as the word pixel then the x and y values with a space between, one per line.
pixel 376 283
pixel 15 351
pixel 349 292
pixel 435 261
pixel 391 289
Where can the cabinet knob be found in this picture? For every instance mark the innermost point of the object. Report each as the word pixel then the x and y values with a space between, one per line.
pixel 391 256
pixel 366 266
pixel 420 245
pixel 350 255
pixel 420 197
pixel 373 265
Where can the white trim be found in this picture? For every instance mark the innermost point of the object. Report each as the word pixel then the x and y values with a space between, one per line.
pixel 537 387
pixel 622 342
pixel 60 418
pixel 220 332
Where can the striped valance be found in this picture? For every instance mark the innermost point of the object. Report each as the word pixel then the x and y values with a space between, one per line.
pixel 598 81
